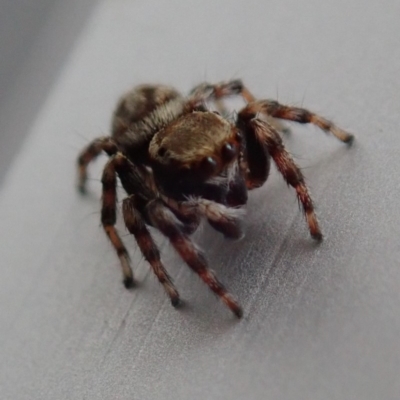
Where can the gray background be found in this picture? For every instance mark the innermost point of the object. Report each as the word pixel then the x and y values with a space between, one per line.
pixel 321 322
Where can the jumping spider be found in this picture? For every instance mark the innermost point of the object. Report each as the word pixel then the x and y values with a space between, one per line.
pixel 179 162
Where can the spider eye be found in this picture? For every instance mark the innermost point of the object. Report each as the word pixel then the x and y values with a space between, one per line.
pixel 208 165
pixel 228 151
pixel 161 151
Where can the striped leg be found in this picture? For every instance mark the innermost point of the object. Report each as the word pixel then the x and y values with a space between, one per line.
pixel 217 92
pixel 89 153
pixel 222 89
pixel 131 179
pixel 222 218
pixel 136 226
pixel 108 216
pixel 163 218
pixel 300 115
pixel 269 138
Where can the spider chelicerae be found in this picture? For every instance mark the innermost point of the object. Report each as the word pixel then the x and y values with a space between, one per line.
pixel 180 159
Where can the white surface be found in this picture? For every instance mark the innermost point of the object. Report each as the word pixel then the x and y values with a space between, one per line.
pixel 321 322
pixel 36 38
pixel 20 22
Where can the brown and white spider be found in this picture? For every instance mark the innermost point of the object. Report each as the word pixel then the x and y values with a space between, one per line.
pixel 180 162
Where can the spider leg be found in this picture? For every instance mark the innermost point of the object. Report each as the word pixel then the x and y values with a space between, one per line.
pixel 270 143
pixel 109 217
pixel 164 219
pixel 222 89
pixel 222 218
pixel 89 153
pixel 219 91
pixel 131 180
pixel 276 110
pixel 136 226
pixel 190 220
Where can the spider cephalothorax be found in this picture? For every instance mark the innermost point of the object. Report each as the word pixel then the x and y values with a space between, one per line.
pixel 180 161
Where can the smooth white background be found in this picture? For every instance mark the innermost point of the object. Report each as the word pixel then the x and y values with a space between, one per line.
pixel 321 322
